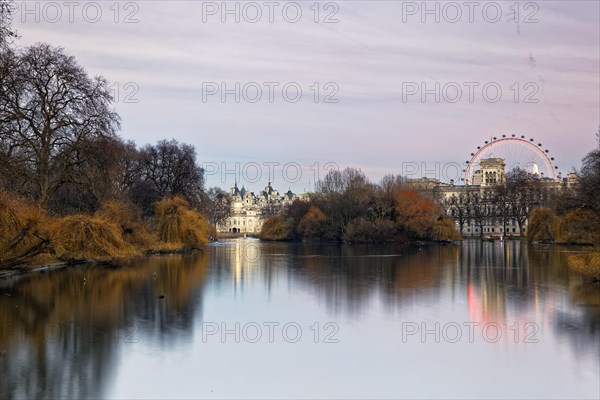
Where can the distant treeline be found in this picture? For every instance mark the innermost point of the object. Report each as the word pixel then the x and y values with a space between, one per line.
pixel 348 207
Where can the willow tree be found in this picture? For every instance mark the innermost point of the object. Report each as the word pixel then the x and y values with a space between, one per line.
pixel 49 109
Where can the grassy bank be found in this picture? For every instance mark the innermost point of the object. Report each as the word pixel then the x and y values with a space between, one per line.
pixel 29 236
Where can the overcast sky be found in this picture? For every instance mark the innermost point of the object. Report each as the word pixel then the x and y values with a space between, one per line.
pixel 372 57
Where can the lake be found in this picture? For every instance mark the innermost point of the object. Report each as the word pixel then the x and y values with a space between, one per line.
pixel 255 319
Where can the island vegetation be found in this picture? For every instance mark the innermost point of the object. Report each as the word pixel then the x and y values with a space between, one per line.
pixel 348 207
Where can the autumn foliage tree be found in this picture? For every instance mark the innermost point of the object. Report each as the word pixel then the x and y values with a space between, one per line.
pixel 416 212
pixel 348 207
pixel 312 224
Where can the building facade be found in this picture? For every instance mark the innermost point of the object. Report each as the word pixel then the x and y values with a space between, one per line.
pixel 249 210
pixel 474 208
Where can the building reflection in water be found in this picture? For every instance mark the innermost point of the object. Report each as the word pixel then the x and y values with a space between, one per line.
pixel 503 283
pixel 496 280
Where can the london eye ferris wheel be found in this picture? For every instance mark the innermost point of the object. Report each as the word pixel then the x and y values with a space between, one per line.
pixel 517 152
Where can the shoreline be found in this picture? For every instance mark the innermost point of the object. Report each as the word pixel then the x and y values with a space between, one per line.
pixel 29 269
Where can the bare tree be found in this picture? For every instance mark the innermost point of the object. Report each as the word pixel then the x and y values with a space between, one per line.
pixel 172 170
pixel 216 204
pixel 459 209
pixel 525 193
pixel 49 109
pixel 392 184
pixel 333 182
pixel 7 33
pixel 480 210
pixel 588 189
pixel 97 177
pixel 345 195
pixel 501 200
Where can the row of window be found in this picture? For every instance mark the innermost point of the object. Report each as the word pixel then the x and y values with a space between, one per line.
pixel 236 222
pixel 493 230
pixel 508 222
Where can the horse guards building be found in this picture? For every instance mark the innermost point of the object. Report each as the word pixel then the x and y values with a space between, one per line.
pixel 249 210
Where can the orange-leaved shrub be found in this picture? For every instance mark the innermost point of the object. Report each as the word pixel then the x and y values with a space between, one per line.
pixel 416 212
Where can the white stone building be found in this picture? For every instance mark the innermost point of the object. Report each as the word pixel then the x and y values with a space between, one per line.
pixel 248 210
pixel 480 219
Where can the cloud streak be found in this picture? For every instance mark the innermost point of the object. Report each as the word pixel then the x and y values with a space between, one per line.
pixel 370 53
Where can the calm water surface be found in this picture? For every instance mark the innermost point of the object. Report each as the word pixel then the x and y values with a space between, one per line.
pixel 252 319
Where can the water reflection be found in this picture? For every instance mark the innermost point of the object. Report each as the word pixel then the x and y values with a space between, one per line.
pixel 61 330
pixel 64 332
pixel 503 283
